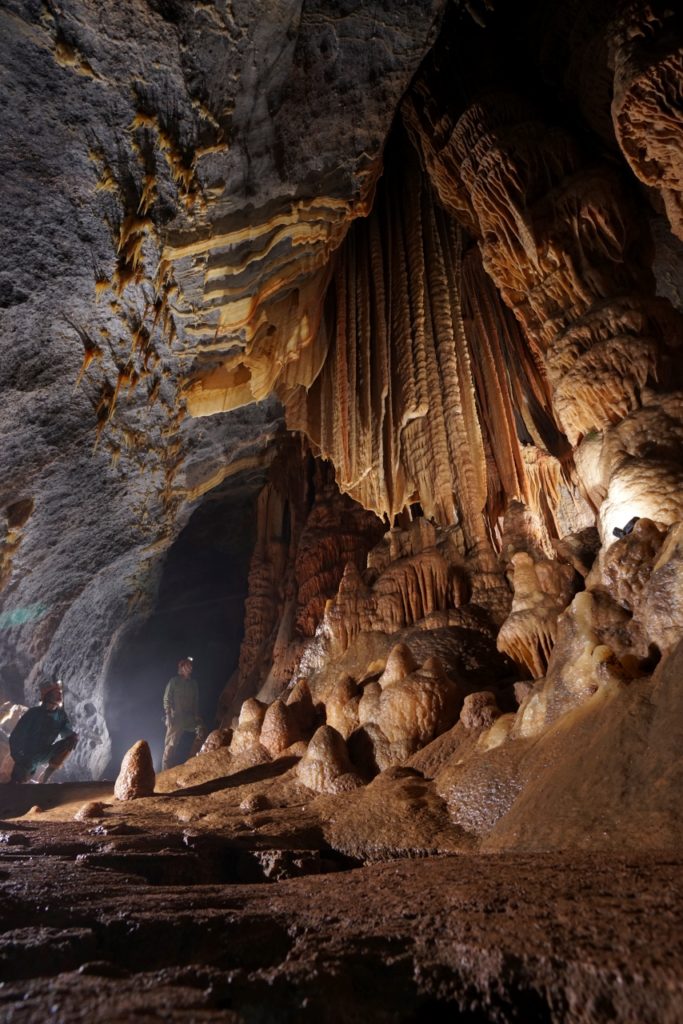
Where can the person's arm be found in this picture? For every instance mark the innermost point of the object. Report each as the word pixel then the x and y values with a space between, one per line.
pixel 168 700
pixel 197 717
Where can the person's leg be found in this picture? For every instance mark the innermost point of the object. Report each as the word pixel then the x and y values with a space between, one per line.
pixel 173 737
pixel 184 748
pixel 57 755
pixel 21 772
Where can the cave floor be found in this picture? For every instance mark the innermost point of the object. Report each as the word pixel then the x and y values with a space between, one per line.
pixel 142 918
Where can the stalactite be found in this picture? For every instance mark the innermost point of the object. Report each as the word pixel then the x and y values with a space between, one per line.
pixel 427 372
pixel 561 239
pixel 543 589
pixel 647 110
pixel 408 591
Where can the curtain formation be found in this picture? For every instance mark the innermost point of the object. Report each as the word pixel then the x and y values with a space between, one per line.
pixel 429 392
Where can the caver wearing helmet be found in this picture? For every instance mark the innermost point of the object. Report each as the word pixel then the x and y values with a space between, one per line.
pixel 43 735
pixel 184 727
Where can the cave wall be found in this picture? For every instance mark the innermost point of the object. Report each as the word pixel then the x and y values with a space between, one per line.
pixel 141 144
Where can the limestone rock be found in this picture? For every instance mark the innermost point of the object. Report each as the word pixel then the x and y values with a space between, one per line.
pixel 279 729
pixel 400 664
pixel 341 706
pixel 661 607
pixel 627 564
pixel 10 713
pixel 93 809
pixel 603 335
pixel 300 703
pixel 136 777
pixel 542 590
pixel 254 802
pixel 417 708
pixel 167 202
pixel 326 768
pixel 646 59
pixel 579 549
pixel 368 706
pixel 399 814
pixel 479 710
pixel 247 733
pixel 522 691
pixel 415 573
pixel 372 752
pixel 216 739
pixel 338 532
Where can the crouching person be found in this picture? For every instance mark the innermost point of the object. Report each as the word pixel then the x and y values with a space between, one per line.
pixel 43 735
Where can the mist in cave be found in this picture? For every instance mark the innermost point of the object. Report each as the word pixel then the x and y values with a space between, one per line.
pixel 199 612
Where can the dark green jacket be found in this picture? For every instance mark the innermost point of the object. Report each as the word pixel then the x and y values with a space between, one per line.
pixel 36 731
pixel 181 700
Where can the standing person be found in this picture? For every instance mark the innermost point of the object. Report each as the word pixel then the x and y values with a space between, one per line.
pixel 184 727
pixel 43 735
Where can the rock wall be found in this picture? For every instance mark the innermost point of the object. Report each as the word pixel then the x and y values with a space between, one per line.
pixel 141 144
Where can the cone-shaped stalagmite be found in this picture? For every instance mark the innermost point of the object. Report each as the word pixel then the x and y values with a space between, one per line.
pixel 136 777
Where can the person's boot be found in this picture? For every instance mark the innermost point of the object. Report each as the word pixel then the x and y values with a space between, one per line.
pixel 46 773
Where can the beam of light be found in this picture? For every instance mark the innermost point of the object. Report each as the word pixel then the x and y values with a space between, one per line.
pixel 20 616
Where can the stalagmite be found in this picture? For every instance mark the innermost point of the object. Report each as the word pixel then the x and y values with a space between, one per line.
pixel 341 707
pixel 247 733
pixel 418 707
pixel 325 767
pixel 279 729
pixel 479 710
pixel 542 589
pixel 400 664
pixel 136 777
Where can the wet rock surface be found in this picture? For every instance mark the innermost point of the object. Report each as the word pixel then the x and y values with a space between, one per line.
pixel 99 924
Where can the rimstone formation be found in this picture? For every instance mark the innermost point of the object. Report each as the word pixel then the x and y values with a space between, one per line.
pixel 341 348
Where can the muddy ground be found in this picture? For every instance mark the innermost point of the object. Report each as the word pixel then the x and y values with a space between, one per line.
pixel 135 916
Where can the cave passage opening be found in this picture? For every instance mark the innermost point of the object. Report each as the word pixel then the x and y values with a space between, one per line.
pixel 199 612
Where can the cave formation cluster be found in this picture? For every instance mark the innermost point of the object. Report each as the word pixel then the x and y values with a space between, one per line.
pixel 496 373
pixel 358 323
pixel 434 318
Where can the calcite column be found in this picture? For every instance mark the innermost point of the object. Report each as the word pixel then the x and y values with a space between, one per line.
pixel 646 56
pixel 561 239
pixel 299 559
pixel 268 574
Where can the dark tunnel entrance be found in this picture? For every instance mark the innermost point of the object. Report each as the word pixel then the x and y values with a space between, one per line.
pixel 199 612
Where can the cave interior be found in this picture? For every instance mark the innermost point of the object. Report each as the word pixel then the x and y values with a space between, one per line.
pixel 341 352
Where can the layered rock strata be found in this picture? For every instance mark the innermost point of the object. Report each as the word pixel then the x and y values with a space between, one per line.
pixel 187 168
